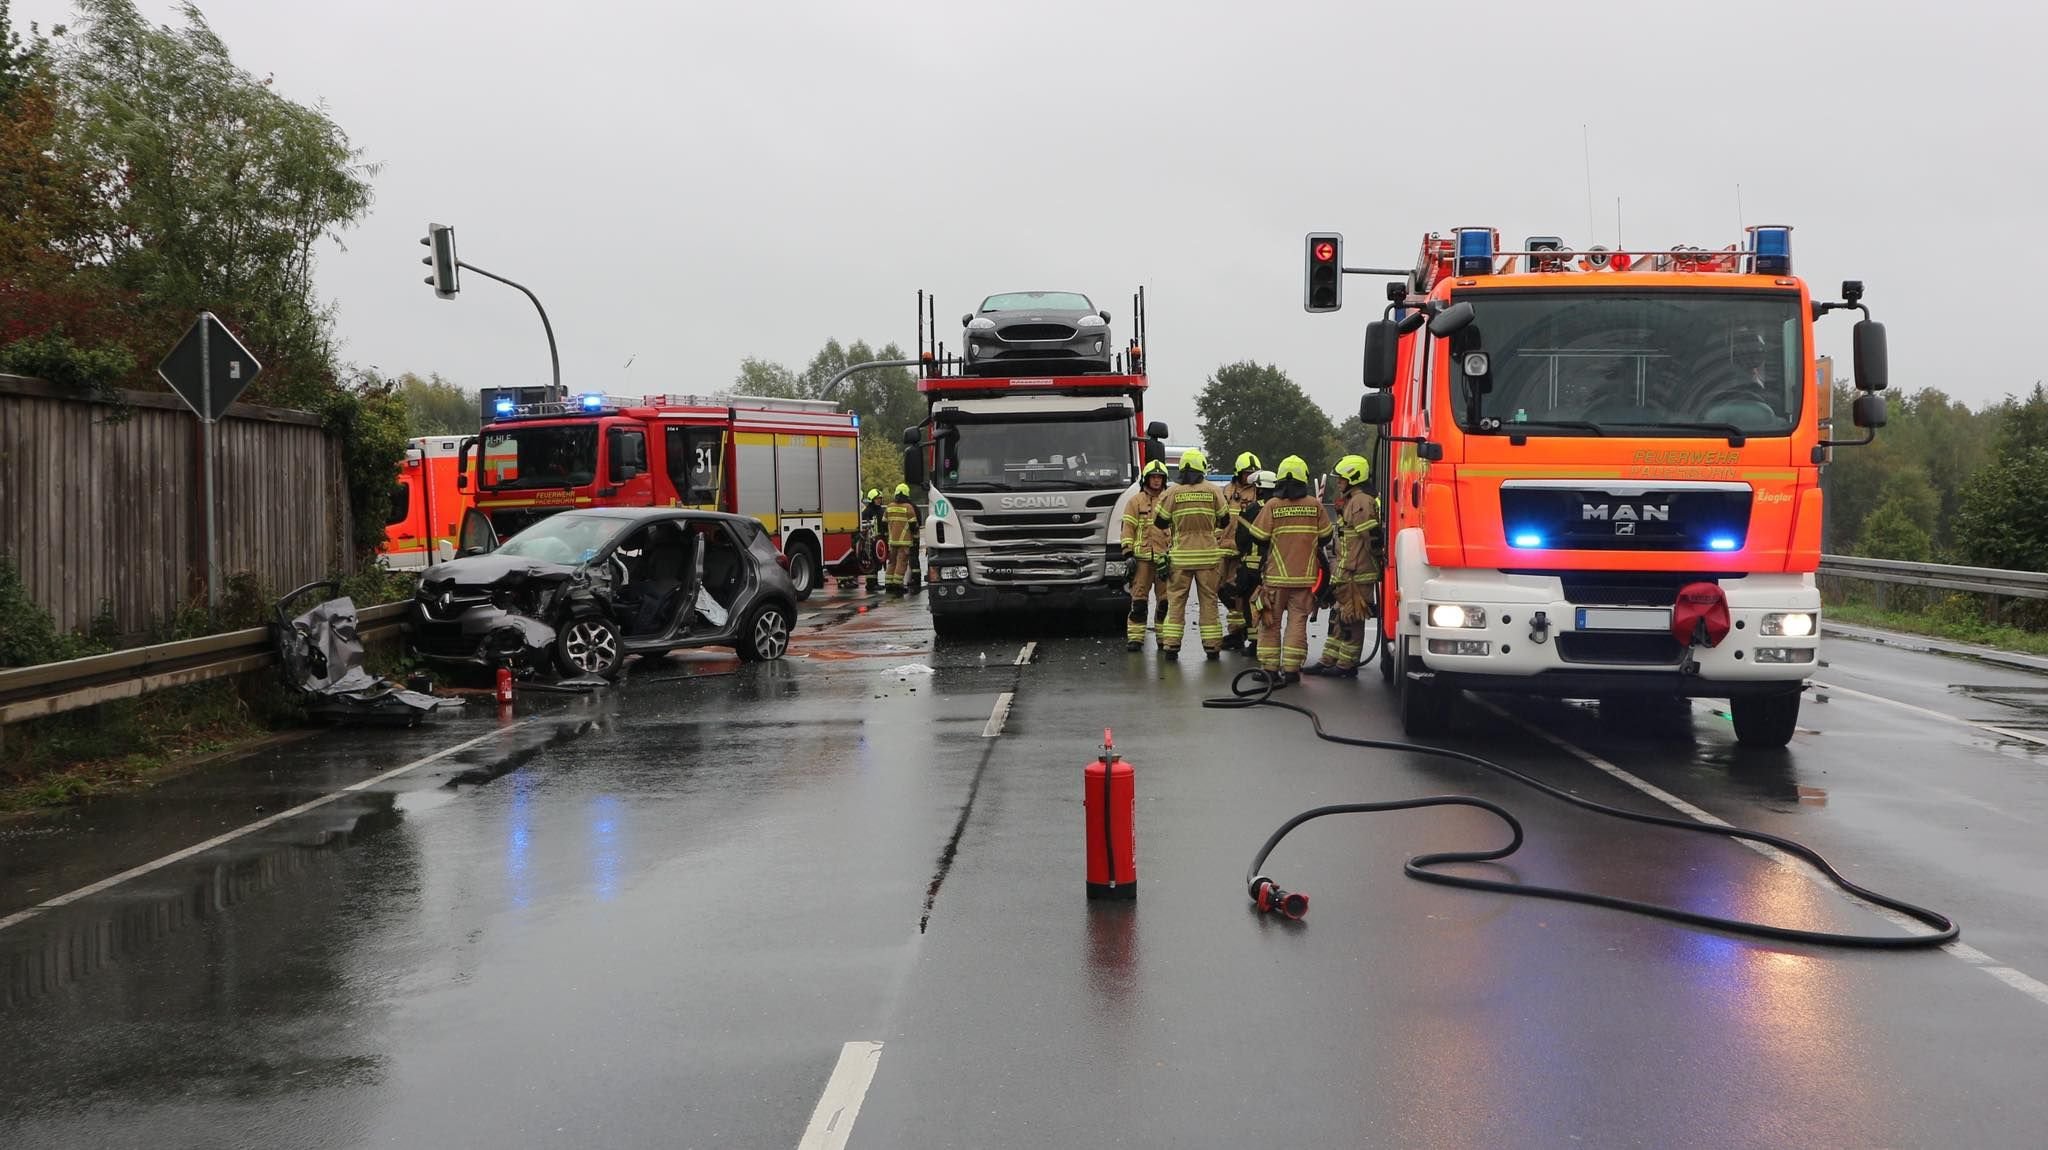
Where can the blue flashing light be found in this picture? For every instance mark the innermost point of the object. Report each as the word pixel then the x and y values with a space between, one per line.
pixel 1475 251
pixel 593 402
pixel 502 407
pixel 1526 539
pixel 1772 248
pixel 1721 543
pixel 856 422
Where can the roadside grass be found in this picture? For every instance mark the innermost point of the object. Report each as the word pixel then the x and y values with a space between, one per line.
pixel 1958 617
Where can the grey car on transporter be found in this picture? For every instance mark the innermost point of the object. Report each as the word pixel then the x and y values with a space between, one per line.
pixel 582 590
pixel 1036 331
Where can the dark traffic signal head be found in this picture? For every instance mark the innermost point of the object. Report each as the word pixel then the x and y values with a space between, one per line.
pixel 440 240
pixel 1324 286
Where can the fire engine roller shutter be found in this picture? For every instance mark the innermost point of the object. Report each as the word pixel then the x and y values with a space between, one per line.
pixel 754 456
pixel 839 475
pixel 796 475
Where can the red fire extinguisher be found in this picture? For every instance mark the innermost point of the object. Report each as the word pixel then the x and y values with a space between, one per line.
pixel 1109 791
pixel 504 686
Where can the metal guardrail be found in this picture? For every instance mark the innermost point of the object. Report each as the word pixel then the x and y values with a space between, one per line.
pixel 54 688
pixel 1981 580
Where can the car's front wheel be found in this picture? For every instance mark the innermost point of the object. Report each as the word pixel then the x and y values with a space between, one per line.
pixel 589 646
pixel 766 635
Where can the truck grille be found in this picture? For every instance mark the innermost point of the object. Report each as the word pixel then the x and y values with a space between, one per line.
pixel 1039 546
pixel 1621 589
pixel 1018 333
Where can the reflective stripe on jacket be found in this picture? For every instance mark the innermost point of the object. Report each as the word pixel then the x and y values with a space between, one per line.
pixel 1293 531
pixel 1145 538
pixel 1192 513
pixel 1357 523
pixel 901 516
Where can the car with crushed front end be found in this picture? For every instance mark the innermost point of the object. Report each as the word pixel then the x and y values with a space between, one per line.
pixel 582 590
pixel 1022 332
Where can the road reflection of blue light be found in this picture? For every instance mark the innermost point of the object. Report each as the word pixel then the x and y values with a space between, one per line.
pixel 1720 960
pixel 604 846
pixel 516 836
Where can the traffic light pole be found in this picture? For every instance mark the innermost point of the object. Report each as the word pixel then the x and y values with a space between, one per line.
pixel 554 358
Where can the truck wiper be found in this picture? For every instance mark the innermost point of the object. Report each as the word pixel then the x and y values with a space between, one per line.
pixel 1577 424
pixel 972 485
pixel 1736 436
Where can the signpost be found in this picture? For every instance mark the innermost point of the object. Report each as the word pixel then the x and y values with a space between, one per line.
pixel 209 368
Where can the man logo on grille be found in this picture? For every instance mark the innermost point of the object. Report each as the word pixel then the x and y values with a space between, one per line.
pixel 1625 527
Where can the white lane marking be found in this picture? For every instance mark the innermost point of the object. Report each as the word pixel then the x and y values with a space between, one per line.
pixel 21 916
pixel 2003 732
pixel 1024 655
pixel 999 716
pixel 832 1122
pixel 2024 983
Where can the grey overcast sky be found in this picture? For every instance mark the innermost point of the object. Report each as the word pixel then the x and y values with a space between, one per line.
pixel 687 183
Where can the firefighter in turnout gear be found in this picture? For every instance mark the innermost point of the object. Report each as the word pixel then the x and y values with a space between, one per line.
pixel 1288 536
pixel 1145 550
pixel 1356 570
pixel 1263 483
pixel 1239 495
pixel 1191 513
pixel 901 518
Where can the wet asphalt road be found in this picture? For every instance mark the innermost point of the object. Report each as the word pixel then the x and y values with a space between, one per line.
pixel 653 918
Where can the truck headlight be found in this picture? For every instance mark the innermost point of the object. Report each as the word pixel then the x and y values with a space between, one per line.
pixel 1452 615
pixel 1790 624
pixel 1116 568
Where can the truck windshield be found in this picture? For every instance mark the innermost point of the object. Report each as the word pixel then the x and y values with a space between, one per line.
pixel 1640 363
pixel 531 457
pixel 1037 301
pixel 1072 454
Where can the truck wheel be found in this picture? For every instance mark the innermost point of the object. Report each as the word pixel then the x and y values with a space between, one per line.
pixel 1385 659
pixel 951 626
pixel 589 646
pixel 1425 707
pixel 1765 721
pixel 803 568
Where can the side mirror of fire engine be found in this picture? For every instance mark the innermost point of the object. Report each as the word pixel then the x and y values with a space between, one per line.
pixel 1872 363
pixel 1869 411
pixel 461 482
pixel 1411 321
pixel 1376 408
pixel 1452 320
pixel 1382 338
pixel 1430 452
pixel 1156 430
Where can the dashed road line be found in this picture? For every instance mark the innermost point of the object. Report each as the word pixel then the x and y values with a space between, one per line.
pixel 158 864
pixel 999 716
pixel 1026 654
pixel 832 1122
pixel 2025 983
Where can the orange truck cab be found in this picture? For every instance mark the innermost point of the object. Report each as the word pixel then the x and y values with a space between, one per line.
pixel 427 504
pixel 1601 471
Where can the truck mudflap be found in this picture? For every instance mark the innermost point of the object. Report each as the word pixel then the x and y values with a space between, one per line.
pixel 1490 630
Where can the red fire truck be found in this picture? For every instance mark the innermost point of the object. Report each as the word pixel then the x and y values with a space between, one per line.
pixel 793 464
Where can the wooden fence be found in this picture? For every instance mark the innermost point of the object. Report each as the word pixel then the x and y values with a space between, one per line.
pixel 101 505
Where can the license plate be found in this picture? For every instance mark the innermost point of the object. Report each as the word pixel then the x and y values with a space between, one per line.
pixel 1624 619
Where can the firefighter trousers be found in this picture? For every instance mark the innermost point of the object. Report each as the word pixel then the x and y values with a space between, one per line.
pixel 1346 641
pixel 1237 620
pixel 1145 582
pixel 899 562
pixel 1202 584
pixel 1283 627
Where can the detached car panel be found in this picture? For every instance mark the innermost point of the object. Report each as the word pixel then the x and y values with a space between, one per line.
pixel 581 590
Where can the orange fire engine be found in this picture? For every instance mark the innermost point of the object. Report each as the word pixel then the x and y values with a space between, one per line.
pixel 1600 470
pixel 426 504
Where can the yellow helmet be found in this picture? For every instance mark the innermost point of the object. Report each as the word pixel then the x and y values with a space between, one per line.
pixel 1246 461
pixel 903 489
pixel 1353 469
pixel 874 493
pixel 1194 458
pixel 1156 467
pixel 1293 467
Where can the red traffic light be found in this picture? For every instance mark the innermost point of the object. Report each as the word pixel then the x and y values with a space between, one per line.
pixel 1325 252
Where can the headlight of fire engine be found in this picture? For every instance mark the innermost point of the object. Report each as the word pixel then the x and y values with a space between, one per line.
pixel 1452 615
pixel 1791 624
pixel 981 323
pixel 1090 321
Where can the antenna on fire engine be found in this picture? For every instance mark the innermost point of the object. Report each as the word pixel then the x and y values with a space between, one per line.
pixel 1586 139
pixel 1739 221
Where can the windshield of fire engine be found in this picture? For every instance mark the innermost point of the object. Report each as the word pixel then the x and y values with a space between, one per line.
pixel 532 457
pixel 1645 363
pixel 977 455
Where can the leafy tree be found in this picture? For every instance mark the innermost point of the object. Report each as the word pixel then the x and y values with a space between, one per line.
pixel 1248 407
pixel 763 378
pixel 213 190
pixel 2003 522
pixel 1891 533
pixel 367 416
pixel 886 399
pixel 434 406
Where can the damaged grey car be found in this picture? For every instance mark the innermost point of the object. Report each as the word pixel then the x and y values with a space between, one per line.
pixel 582 590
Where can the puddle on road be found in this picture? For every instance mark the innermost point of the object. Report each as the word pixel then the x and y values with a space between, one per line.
pixel 2031 703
